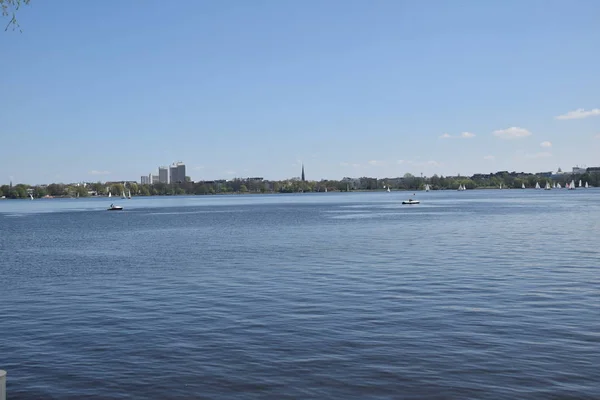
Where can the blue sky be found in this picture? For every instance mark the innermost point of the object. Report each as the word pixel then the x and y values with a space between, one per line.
pixel 111 90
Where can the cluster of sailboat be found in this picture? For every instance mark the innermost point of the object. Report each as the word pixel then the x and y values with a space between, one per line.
pixel 123 196
pixel 570 186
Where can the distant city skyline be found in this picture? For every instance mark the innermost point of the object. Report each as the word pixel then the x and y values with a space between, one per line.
pixel 241 89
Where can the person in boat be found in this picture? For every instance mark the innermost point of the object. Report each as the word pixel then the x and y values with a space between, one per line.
pixel 112 206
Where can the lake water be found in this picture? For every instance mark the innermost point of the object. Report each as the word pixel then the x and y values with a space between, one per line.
pixel 469 295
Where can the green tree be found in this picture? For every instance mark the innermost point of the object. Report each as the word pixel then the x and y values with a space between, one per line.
pixel 134 188
pixel 144 190
pixel 117 189
pixel 243 189
pixel 99 188
pixel 19 192
pixel 39 192
pixel 9 9
pixel 56 189
pixel 81 191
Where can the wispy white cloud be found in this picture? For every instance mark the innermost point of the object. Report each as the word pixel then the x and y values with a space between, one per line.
pixel 580 113
pixel 546 144
pixel 489 158
pixel 96 172
pixel 430 163
pixel 376 163
pixel 347 164
pixel 543 154
pixel 512 133
pixel 464 135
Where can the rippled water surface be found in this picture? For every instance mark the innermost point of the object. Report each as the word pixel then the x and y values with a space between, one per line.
pixel 477 294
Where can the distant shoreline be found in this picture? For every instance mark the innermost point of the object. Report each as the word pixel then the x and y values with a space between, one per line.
pixel 273 193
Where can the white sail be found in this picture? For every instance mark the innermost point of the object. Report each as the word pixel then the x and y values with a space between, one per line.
pixel 580 183
pixel 388 189
pixel 522 186
pixel 558 186
pixel 554 185
pixel 109 194
pixel 572 185
pixel 586 185
pixel 537 185
pixel 547 186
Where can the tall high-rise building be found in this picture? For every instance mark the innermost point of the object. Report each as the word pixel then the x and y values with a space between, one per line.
pixel 177 172
pixel 163 174
pixel 145 180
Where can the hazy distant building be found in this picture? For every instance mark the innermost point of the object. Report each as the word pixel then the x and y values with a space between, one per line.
pixel 579 171
pixel 177 172
pixel 163 174
pixel 154 179
pixel 145 179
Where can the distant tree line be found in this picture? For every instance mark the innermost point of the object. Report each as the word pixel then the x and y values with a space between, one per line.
pixel 240 185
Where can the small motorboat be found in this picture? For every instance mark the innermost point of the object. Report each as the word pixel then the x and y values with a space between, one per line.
pixel 114 208
pixel 411 201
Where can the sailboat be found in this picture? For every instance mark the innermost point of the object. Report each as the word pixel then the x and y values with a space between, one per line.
pixel 388 189
pixel 500 186
pixel 462 187
pixel 109 194
pixel 554 185
pixel 580 183
pixel 123 194
pixel 586 185
pixel 427 188
pixel 325 190
pixel 558 186
pixel 522 186
pixel 547 186
pixel 129 195
pixel 572 185
pixel 537 185
pixel 31 196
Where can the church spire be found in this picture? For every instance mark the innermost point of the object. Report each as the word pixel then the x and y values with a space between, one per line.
pixel 303 172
